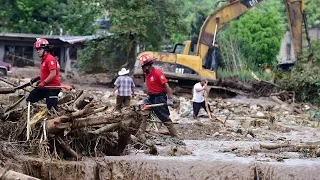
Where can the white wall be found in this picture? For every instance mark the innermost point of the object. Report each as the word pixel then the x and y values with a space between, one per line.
pixel 286 49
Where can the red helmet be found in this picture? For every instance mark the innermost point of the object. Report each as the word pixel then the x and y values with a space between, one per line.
pixel 145 59
pixel 41 43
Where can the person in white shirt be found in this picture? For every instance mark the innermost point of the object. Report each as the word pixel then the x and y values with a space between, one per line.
pixel 198 97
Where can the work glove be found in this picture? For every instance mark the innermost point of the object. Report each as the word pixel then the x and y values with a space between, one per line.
pixel 42 84
pixel 169 102
pixel 35 79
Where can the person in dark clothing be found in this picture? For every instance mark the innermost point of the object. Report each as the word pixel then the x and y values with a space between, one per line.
pixel 214 59
pixel 158 92
pixel 218 56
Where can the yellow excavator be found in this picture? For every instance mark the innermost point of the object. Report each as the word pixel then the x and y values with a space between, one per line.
pixel 186 63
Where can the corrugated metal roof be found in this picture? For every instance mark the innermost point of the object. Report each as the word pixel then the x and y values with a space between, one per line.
pixel 76 39
pixel 68 39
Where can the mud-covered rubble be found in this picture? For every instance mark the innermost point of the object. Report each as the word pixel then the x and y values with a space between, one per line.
pixel 255 120
pixel 260 130
pixel 246 120
pixel 243 119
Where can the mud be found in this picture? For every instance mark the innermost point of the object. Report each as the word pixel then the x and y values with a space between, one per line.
pixel 213 150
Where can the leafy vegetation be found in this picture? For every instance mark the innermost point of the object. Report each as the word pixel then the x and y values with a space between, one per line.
pixel 316 50
pixel 246 75
pixel 49 16
pixel 305 82
pixel 253 39
pixel 313 9
pixel 144 22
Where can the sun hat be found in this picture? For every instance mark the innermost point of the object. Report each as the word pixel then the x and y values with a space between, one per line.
pixel 123 71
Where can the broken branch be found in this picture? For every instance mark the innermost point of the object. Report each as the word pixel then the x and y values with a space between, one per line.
pixel 106 128
pixel 67 148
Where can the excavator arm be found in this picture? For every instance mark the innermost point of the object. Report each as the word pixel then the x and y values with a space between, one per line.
pixel 218 19
pixel 188 64
pixel 235 8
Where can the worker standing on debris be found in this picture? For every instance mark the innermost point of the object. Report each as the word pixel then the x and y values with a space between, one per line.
pixel 198 100
pixel 158 92
pixel 49 76
pixel 125 86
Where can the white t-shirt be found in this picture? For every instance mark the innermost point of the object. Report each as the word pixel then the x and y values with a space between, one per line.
pixel 197 96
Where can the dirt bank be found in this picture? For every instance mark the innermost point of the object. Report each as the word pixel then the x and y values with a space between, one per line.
pixel 200 166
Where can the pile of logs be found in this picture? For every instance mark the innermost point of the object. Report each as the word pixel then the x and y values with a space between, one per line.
pixel 81 127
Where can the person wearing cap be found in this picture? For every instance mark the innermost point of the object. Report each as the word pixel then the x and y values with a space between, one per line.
pixel 159 92
pixel 125 86
pixel 198 100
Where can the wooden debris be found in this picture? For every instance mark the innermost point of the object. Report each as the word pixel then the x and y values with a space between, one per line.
pixel 274 146
pixel 67 148
pixel 206 101
pixel 277 100
pixel 106 128
pixel 81 101
pixel 15 104
pixel 285 145
pixel 318 152
pixel 7 90
pixel 6 174
pixel 152 148
pixel 78 120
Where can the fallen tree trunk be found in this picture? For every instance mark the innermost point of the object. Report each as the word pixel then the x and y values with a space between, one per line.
pixel 285 145
pixel 7 90
pixel 74 115
pixel 82 102
pixel 232 83
pixel 277 100
pixel 274 146
pixel 12 175
pixel 106 128
pixel 97 120
pixel 58 124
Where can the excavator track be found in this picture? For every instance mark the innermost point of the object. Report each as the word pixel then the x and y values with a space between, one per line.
pixel 185 87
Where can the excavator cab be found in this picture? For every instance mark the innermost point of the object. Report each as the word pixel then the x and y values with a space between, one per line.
pixel 178 49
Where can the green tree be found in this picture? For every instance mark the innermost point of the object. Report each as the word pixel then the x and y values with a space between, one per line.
pixel 195 27
pixel 313 13
pixel 49 16
pixel 195 12
pixel 144 22
pixel 259 32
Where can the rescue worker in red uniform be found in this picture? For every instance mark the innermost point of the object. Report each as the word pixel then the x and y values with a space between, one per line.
pixel 158 92
pixel 49 76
